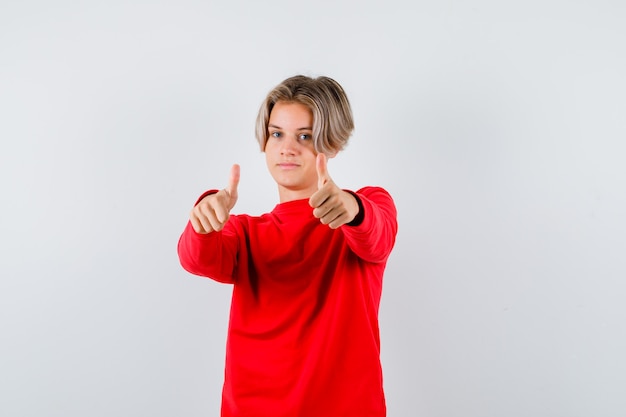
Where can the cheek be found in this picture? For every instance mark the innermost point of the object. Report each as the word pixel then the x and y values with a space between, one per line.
pixel 271 146
pixel 268 150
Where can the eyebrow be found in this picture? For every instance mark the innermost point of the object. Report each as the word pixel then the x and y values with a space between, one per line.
pixel 280 128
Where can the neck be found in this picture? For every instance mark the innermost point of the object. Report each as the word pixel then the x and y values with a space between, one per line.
pixel 285 194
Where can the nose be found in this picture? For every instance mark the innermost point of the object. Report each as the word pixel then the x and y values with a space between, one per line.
pixel 288 146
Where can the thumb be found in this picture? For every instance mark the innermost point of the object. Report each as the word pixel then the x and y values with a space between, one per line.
pixel 322 170
pixel 233 182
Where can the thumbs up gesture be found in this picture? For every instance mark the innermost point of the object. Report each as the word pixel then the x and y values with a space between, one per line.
pixel 332 205
pixel 213 211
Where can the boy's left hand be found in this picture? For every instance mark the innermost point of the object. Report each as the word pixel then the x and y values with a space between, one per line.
pixel 332 205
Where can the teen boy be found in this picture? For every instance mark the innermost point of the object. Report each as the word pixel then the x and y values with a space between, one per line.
pixel 303 337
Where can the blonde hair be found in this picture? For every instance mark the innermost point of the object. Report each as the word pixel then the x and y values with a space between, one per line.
pixel 332 115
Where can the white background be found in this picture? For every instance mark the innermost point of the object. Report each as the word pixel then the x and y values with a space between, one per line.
pixel 498 127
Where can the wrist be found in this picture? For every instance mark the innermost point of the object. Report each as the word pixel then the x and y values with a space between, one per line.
pixel 359 216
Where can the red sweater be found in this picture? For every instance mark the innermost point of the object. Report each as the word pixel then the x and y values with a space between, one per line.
pixel 303 336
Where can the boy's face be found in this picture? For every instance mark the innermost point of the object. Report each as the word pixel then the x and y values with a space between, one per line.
pixel 289 151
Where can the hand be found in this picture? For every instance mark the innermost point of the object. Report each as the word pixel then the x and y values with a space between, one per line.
pixel 213 211
pixel 332 205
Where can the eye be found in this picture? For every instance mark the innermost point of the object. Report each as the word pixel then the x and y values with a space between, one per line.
pixel 304 136
pixel 275 134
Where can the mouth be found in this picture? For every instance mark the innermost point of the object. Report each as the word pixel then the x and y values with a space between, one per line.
pixel 287 165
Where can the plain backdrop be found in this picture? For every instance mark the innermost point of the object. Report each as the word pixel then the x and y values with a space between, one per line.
pixel 498 127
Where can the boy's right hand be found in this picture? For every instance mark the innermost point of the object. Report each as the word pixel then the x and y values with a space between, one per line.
pixel 212 212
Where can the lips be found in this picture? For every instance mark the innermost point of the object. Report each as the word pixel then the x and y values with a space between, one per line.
pixel 288 165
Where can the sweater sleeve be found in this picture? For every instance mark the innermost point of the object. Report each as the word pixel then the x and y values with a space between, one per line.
pixel 213 255
pixel 373 239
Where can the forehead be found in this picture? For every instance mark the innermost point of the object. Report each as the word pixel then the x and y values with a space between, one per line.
pixel 286 114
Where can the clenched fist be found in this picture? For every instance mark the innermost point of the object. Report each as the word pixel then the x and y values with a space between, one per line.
pixel 212 212
pixel 332 205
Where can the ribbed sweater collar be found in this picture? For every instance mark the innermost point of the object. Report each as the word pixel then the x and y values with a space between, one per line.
pixel 291 209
